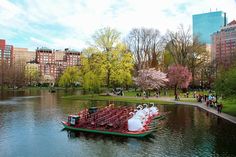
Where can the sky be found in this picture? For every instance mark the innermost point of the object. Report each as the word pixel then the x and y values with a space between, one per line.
pixel 60 24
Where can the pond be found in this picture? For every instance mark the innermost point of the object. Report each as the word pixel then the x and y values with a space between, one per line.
pixel 30 126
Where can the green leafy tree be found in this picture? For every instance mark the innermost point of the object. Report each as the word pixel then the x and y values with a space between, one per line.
pixel 32 75
pixel 69 77
pixel 225 83
pixel 116 62
pixel 105 40
pixel 121 66
pixel 92 73
pixel 167 60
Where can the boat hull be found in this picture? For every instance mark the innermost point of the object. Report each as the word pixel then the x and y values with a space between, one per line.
pixel 124 134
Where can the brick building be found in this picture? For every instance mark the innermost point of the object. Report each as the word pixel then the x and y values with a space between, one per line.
pixel 6 52
pixel 52 63
pixel 224 45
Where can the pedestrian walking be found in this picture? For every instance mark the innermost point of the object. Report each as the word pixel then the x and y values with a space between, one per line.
pixel 218 108
pixel 144 94
pixel 221 107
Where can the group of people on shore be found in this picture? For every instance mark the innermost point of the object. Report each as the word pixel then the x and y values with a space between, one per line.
pixel 145 94
pixel 210 99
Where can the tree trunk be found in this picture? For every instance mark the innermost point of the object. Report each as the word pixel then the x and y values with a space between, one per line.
pixel 175 92
pixel 108 78
pixel 193 77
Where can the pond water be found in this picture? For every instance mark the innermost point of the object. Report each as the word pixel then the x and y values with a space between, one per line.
pixel 30 127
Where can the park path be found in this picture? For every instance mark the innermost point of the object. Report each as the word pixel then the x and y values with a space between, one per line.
pixel 200 105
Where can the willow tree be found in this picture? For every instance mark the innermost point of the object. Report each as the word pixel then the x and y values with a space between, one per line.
pixel 92 73
pixel 69 77
pixel 121 66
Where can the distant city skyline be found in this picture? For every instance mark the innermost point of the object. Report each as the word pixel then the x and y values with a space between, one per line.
pixel 71 24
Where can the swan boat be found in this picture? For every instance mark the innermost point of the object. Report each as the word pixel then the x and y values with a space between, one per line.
pixel 120 121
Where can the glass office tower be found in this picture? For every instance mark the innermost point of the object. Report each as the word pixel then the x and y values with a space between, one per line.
pixel 207 23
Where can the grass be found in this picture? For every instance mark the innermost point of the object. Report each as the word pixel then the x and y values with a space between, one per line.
pixel 194 100
pixel 229 106
pixel 170 93
pixel 115 98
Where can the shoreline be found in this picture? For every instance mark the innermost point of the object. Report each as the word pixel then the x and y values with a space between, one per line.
pixel 225 116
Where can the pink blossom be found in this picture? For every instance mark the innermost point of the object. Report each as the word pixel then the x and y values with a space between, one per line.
pixel 179 76
pixel 150 79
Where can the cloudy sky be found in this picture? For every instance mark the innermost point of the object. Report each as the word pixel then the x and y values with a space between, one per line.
pixel 70 23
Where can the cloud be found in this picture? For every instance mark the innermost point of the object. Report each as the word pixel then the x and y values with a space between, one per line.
pixel 38 42
pixel 62 23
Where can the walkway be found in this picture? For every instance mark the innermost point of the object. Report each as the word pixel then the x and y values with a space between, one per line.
pixel 201 105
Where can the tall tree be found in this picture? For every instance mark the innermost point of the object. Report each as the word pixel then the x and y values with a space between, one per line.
pixel 92 73
pixel 197 58
pixel 186 50
pixel 179 77
pixel 178 44
pixel 106 39
pixel 146 46
pixel 121 66
pixel 117 60
pixel 95 63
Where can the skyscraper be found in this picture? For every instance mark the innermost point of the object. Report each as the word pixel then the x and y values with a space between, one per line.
pixel 207 23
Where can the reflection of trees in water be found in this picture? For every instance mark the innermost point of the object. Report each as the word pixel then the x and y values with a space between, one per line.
pixel 221 133
pixel 180 117
pixel 190 126
pixel 225 136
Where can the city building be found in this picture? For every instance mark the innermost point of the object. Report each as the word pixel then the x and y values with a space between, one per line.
pixel 23 54
pixel 46 59
pixel 6 52
pixel 207 23
pixel 52 63
pixel 224 45
pixel 72 58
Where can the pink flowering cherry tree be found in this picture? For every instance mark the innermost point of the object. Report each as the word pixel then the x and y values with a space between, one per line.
pixel 179 76
pixel 149 79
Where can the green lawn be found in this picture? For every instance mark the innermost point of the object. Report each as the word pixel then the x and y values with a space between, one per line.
pixel 188 99
pixel 229 106
pixel 170 93
pixel 115 98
